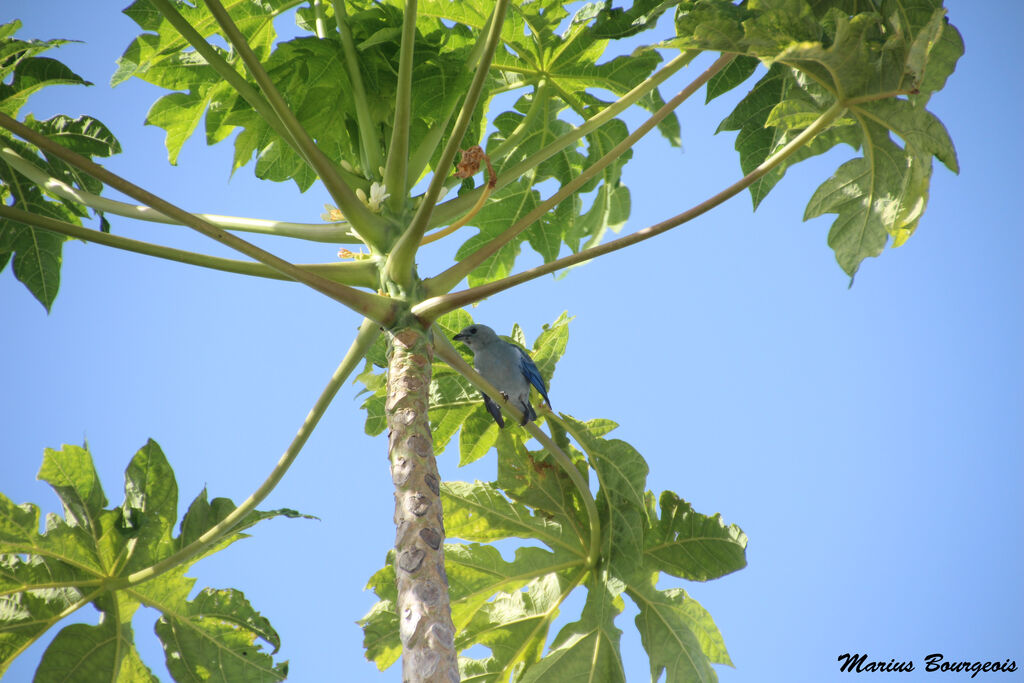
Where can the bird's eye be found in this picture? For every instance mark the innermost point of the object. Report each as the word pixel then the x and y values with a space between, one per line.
pixel 472 330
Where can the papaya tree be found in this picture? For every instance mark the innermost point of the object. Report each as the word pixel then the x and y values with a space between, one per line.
pixel 425 120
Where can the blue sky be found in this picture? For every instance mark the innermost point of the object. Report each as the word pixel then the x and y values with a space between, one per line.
pixel 867 440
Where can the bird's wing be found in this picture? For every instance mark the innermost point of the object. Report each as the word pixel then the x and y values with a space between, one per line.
pixel 532 374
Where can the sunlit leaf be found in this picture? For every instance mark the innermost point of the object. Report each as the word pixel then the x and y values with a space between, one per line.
pixel 693 546
pixel 86 556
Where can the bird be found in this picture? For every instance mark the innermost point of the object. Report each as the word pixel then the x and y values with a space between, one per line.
pixel 507 367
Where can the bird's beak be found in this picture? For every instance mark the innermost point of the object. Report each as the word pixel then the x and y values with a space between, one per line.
pixel 459 337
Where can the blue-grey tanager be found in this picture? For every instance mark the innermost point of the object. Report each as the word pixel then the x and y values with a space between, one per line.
pixel 507 367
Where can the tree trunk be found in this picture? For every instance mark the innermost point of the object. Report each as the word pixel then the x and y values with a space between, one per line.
pixel 424 612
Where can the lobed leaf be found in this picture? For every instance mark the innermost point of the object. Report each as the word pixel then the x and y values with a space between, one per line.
pixel 735 72
pixel 86 557
pixel 36 254
pixel 678 635
pixel 71 473
pixel 214 638
pixel 587 649
pixel 622 474
pixel 479 512
pixel 85 653
pixel 616 22
pixel 514 626
pixel 507 204
pixel 881 66
pixel 693 546
pixel 508 606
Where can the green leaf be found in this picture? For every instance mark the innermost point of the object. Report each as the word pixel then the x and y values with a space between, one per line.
pixel 215 639
pixel 479 512
pixel 622 475
pixel 883 85
pixel 736 72
pixel 777 108
pixel 37 258
pixel 148 58
pixel 508 606
pixel 86 653
pixel 36 253
pixel 870 200
pixel 668 126
pixel 693 546
pixel 612 204
pixel 678 635
pixel 942 57
pixel 564 70
pixel 87 556
pixel 31 74
pixel 514 200
pixel 452 401
pixel 711 25
pixel 18 523
pixel 201 516
pixel 150 504
pixel 531 478
pixel 380 634
pixel 13 51
pixel 514 626
pixel 71 473
pixel 254 20
pixel 30 604
pixel 550 346
pixel 587 649
pixel 179 113
pixel 525 132
pixel 621 470
pixel 85 135
pixel 615 22
pixel 477 572
pixel 454 322
pixel 478 435
pixel 882 194
pixel 848 67
pixel 376 420
pixel 309 73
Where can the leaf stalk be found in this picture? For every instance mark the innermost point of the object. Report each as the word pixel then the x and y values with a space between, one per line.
pixel 446 280
pixel 446 212
pixel 226 71
pixel 374 306
pixel 372 228
pixel 444 232
pixel 334 233
pixel 368 332
pixel 399 267
pixel 432 308
pixel 320 21
pixel 355 273
pixel 398 149
pixel 419 159
pixel 367 125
